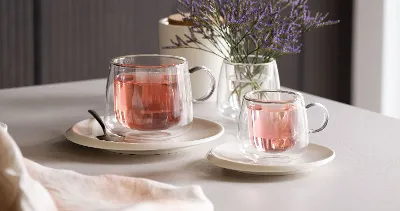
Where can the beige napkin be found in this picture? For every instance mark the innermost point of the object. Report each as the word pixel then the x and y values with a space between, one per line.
pixel 28 186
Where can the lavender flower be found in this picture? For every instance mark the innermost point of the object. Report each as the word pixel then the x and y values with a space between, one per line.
pixel 249 27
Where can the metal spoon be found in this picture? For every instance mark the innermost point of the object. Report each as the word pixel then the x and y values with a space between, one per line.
pixel 100 121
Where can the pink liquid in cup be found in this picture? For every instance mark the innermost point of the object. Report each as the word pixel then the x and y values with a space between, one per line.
pixel 147 101
pixel 270 127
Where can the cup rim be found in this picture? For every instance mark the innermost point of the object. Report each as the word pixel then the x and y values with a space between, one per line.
pixel 296 96
pixel 115 59
pixel 247 63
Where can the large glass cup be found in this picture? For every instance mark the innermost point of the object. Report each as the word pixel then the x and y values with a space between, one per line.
pixel 149 97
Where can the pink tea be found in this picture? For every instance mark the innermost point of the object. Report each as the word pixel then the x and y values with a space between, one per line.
pixel 147 101
pixel 270 127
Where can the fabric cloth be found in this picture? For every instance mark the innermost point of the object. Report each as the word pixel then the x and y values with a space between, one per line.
pixel 29 186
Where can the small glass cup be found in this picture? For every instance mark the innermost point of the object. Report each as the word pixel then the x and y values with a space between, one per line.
pixel 273 125
pixel 149 97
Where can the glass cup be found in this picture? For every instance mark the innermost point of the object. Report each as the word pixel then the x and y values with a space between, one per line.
pixel 273 125
pixel 149 97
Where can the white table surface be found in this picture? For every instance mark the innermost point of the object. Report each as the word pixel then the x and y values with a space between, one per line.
pixel 365 174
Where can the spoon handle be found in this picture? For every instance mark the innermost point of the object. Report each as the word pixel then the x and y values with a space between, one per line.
pixel 99 120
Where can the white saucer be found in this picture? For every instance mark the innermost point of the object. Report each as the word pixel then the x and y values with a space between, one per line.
pixel 84 133
pixel 228 156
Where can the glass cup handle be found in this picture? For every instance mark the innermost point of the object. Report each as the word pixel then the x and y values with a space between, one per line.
pixel 212 85
pixel 326 117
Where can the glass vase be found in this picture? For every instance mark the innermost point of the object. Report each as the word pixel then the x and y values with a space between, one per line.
pixel 236 79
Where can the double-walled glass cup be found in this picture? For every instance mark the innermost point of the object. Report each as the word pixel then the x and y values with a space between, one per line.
pixel 149 97
pixel 273 125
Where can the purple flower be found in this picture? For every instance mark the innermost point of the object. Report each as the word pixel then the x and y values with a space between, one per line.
pixel 270 28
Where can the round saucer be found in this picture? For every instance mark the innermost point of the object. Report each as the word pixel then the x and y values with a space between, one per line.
pixel 228 156
pixel 84 133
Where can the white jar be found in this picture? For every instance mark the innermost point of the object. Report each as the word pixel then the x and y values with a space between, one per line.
pixel 200 81
pixel 3 126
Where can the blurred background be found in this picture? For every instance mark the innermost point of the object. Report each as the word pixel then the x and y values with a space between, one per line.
pixel 52 41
